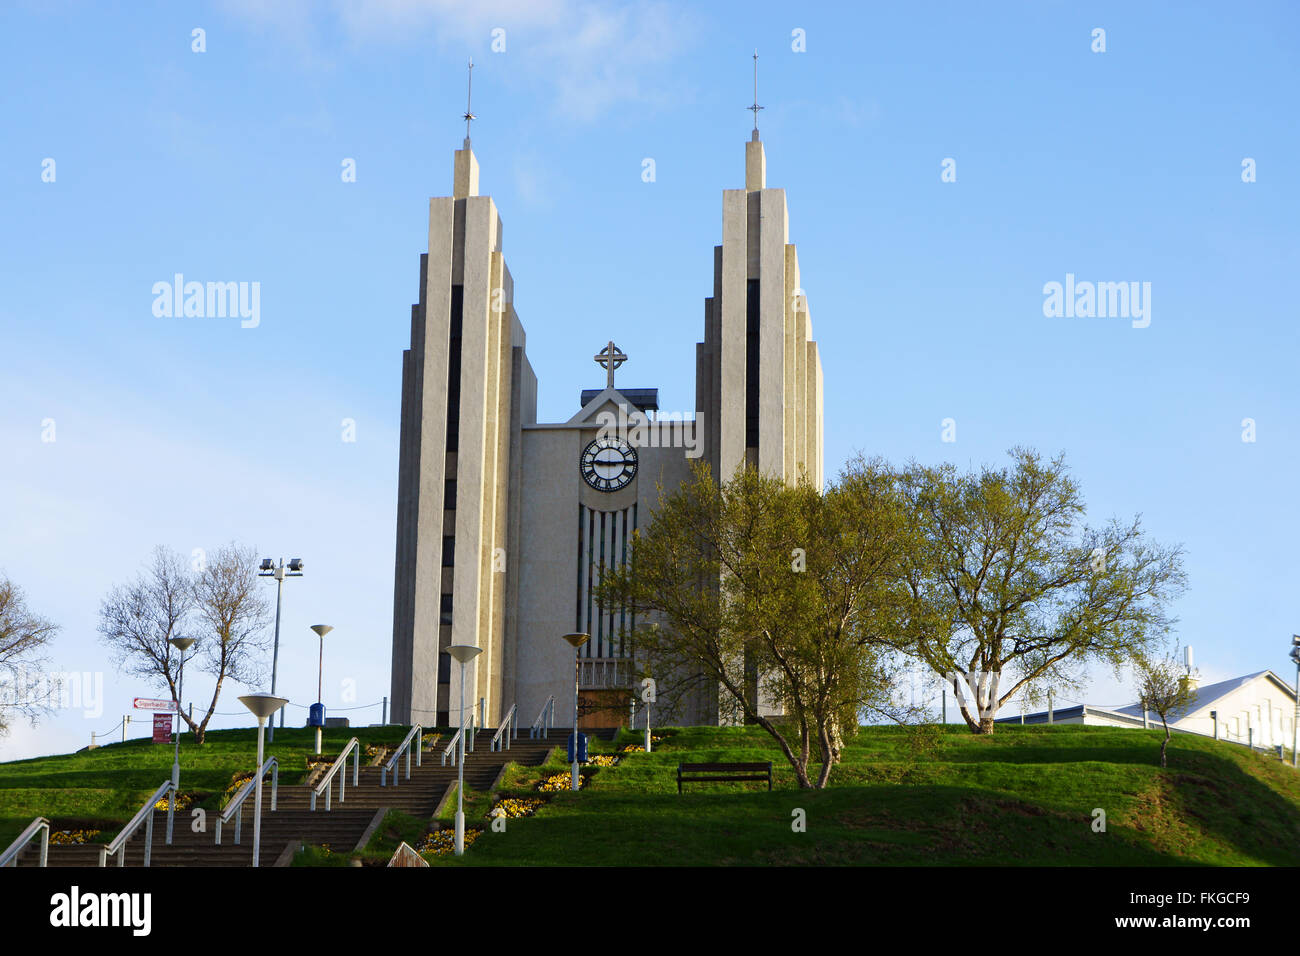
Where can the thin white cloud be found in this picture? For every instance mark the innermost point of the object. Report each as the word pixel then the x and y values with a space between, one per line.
pixel 592 55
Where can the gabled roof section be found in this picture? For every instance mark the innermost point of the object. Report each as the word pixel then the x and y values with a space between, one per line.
pixel 610 396
pixel 1205 700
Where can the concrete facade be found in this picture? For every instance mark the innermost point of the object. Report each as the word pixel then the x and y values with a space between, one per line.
pixel 504 524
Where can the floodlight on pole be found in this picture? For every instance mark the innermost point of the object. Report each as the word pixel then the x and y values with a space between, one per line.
pixel 182 644
pixel 321 630
pixel 462 654
pixel 267 569
pixel 1295 719
pixel 576 640
pixel 260 706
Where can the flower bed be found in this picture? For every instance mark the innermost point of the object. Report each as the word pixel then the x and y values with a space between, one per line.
pixel 514 807
pixel 443 841
pixel 603 760
pixel 73 837
pixel 229 793
pixel 183 802
pixel 560 781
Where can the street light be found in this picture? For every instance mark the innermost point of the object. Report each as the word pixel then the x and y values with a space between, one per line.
pixel 182 644
pixel 1295 721
pixel 576 639
pixel 268 570
pixel 262 706
pixel 462 654
pixel 318 712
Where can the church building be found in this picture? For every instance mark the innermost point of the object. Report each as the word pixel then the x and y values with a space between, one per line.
pixel 504 523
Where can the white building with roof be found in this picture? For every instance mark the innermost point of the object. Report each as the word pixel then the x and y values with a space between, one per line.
pixel 1258 708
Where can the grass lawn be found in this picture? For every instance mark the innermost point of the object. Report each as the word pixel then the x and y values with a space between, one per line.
pixel 1024 796
pixel 103 788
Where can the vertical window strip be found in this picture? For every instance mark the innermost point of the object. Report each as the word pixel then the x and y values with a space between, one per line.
pixel 622 608
pixel 600 618
pixel 591 531
pixel 577 610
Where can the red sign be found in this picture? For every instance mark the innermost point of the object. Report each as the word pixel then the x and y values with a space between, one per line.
pixel 162 728
pixel 148 703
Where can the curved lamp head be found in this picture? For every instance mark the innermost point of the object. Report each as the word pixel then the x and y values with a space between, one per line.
pixel 577 639
pixel 263 705
pixel 322 629
pixel 183 643
pixel 464 653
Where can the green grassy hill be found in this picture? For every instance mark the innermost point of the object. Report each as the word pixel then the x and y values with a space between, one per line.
pixel 103 788
pixel 1023 796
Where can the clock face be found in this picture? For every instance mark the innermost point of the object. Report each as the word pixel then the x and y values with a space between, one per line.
pixel 608 464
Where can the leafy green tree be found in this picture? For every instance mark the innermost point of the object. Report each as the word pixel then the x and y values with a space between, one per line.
pixel 761 592
pixel 1010 588
pixel 1165 690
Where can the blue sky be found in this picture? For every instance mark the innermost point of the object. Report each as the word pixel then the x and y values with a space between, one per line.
pixel 926 296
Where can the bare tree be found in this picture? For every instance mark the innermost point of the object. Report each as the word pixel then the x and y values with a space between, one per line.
pixel 233 612
pixel 218 603
pixel 1165 690
pixel 23 639
pixel 138 620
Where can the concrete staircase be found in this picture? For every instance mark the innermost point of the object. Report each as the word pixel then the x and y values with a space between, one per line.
pixel 293 823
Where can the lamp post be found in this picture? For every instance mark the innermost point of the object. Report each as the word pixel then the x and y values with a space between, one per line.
pixel 1295 720
pixel 576 639
pixel 462 654
pixel 268 570
pixel 321 630
pixel 182 644
pixel 261 706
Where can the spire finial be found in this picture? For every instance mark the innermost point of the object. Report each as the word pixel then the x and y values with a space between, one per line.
pixel 755 108
pixel 469 94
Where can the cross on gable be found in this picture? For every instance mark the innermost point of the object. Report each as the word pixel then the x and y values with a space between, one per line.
pixel 610 358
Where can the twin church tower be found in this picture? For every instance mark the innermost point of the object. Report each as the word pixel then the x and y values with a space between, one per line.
pixel 504 523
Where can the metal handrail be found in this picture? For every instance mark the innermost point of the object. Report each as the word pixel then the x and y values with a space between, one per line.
pixel 511 721
pixel 451 750
pixel 416 732
pixel 40 825
pixel 354 748
pixel 545 720
pixel 235 807
pixel 144 815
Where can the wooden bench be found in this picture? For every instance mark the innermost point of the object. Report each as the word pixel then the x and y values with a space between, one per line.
pixel 705 772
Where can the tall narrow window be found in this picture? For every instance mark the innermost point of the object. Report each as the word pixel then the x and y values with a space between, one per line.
pixel 453 368
pixel 751 364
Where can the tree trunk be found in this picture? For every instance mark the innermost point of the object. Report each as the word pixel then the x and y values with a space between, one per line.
pixel 828 756
pixel 986 725
pixel 1164 743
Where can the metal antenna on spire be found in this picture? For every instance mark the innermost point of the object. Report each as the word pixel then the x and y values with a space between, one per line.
pixel 469 94
pixel 755 108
